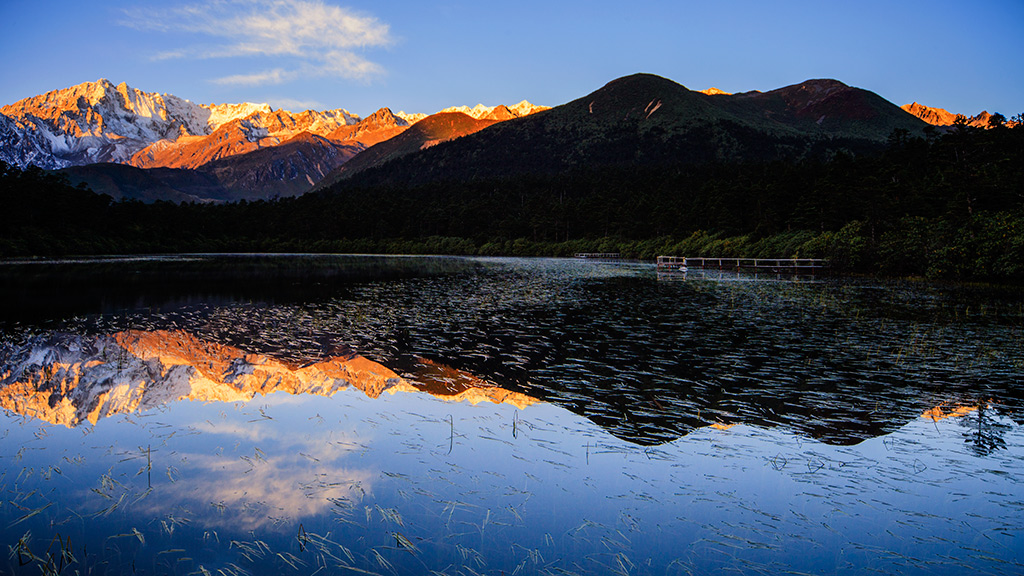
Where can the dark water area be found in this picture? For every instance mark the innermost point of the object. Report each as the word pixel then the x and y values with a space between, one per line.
pixel 184 414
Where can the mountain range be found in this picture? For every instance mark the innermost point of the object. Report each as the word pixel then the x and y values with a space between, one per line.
pixel 133 144
pixel 74 380
pixel 942 117
pixel 128 143
pixel 647 120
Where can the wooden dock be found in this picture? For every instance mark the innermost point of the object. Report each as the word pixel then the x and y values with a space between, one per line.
pixel 801 266
pixel 599 255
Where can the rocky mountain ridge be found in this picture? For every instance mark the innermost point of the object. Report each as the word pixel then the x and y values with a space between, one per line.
pixel 100 122
pixel 942 117
pixel 96 122
pixel 94 130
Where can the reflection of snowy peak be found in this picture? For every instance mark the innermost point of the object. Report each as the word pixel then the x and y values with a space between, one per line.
pixel 69 379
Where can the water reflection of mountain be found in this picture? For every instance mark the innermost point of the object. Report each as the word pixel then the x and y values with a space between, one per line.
pixel 838 360
pixel 652 362
pixel 70 379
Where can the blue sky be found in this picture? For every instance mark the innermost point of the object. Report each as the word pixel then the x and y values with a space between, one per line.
pixel 421 56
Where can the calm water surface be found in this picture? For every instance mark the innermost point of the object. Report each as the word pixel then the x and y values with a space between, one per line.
pixel 302 414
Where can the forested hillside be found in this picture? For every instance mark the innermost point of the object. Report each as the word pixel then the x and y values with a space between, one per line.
pixel 949 206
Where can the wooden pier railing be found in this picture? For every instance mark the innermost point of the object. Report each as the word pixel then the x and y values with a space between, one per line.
pixel 599 255
pixel 780 265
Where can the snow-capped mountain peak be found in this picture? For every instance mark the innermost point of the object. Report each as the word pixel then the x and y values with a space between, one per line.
pixel 101 122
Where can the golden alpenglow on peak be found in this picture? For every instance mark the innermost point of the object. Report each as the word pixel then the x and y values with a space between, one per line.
pixel 943 117
pixel 715 92
pixel 68 380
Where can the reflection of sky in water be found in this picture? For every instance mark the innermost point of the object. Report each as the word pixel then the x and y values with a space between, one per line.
pixel 410 483
pixel 585 483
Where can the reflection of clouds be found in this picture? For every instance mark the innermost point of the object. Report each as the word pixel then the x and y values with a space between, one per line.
pixel 250 491
pixel 255 475
pixel 251 433
pixel 235 430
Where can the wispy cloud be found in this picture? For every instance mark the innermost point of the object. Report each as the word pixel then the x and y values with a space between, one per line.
pixel 275 76
pixel 294 104
pixel 326 40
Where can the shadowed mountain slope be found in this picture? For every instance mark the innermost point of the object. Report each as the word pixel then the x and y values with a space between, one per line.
pixel 430 131
pixel 648 120
pixel 288 169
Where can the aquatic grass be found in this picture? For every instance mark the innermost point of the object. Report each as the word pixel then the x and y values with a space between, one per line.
pixel 389 515
pixel 31 513
pixel 381 560
pixel 59 554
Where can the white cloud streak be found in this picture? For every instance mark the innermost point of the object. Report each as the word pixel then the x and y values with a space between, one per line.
pixel 325 39
pixel 275 76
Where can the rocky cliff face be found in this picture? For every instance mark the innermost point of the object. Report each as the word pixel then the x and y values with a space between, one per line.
pixel 20 147
pixel 70 379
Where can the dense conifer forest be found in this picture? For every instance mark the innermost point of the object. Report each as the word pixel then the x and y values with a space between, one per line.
pixel 946 205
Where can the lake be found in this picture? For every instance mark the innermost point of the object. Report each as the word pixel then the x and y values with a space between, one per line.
pixel 300 414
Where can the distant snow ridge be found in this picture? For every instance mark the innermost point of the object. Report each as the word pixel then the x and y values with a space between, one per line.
pixel 943 117
pixel 100 122
pixel 410 118
pixel 481 112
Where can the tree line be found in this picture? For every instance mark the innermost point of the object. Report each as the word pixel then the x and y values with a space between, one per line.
pixel 944 205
